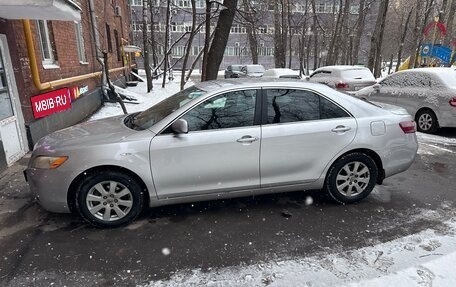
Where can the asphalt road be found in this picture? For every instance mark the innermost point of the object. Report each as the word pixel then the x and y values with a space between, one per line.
pixel 43 249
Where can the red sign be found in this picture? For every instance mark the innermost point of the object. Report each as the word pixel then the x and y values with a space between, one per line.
pixel 52 102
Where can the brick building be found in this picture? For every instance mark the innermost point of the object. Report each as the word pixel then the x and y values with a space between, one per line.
pixel 55 46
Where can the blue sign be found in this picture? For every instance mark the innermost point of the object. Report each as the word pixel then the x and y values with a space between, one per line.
pixel 441 52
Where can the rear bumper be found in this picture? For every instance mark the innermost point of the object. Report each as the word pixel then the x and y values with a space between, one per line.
pixel 399 158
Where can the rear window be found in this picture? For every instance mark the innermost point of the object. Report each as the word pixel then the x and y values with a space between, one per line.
pixel 357 74
pixel 449 78
pixel 255 69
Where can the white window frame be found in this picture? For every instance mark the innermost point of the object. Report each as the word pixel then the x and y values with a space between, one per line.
pixel 80 43
pixel 48 62
pixel 136 2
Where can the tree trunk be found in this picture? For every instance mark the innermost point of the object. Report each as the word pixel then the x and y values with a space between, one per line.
pixel 359 31
pixel 165 58
pixel 188 47
pixel 146 48
pixel 279 31
pixel 207 41
pixel 222 32
pixel 315 35
pixel 404 34
pixel 153 43
pixel 376 40
pixel 251 31
pixel 332 57
pixel 110 85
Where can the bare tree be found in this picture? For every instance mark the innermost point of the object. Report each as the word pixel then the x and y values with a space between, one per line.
pixel 403 35
pixel 146 47
pixel 280 33
pixel 188 47
pixel 218 44
pixel 374 60
pixel 250 18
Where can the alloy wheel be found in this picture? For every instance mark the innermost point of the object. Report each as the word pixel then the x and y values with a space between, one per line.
pixel 109 201
pixel 352 179
pixel 425 121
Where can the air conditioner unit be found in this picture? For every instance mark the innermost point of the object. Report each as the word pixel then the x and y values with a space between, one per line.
pixel 117 10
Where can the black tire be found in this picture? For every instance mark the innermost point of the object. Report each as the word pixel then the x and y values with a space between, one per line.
pixel 109 194
pixel 426 121
pixel 351 178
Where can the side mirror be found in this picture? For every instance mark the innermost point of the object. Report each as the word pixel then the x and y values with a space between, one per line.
pixel 377 87
pixel 180 126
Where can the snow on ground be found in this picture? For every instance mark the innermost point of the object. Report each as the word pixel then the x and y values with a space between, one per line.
pixel 423 259
pixel 427 258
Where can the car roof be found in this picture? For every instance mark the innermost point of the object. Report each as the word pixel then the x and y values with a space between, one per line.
pixel 228 84
pixel 431 70
pixel 340 68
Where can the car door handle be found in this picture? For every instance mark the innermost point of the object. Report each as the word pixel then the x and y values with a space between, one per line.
pixel 247 139
pixel 341 129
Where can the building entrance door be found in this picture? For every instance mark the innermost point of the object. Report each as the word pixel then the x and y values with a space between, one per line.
pixel 10 112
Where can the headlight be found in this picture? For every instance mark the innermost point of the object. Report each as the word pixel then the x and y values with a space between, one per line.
pixel 48 162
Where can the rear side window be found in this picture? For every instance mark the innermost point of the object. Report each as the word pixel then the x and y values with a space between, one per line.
pixel 285 106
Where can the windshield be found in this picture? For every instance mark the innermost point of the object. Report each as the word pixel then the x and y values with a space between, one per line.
pixel 156 113
pixel 358 74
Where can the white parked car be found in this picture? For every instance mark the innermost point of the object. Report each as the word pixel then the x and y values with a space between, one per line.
pixel 281 73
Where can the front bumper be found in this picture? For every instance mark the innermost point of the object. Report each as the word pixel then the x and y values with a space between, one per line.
pixel 50 188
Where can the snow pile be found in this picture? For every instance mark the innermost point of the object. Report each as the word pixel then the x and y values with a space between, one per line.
pixel 143 100
pixel 424 259
pixel 432 144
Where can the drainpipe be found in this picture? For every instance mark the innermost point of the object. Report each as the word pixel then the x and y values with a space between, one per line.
pixel 34 67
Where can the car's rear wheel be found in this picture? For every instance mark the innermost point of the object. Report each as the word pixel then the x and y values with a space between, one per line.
pixel 426 121
pixel 110 199
pixel 351 178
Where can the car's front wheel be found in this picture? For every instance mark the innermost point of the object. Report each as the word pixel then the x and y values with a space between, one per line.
pixel 110 199
pixel 426 121
pixel 351 178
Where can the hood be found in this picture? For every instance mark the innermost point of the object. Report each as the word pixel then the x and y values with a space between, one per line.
pixel 101 131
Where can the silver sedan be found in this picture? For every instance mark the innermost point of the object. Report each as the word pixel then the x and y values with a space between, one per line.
pixel 222 139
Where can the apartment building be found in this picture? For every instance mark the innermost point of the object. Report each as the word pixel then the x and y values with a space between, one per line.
pixel 238 48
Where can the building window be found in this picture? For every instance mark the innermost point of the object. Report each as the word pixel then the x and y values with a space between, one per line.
pixel 136 2
pixel 80 42
pixel 116 38
pixel 108 38
pixel 47 54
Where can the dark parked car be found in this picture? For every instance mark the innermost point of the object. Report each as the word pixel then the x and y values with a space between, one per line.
pixel 233 71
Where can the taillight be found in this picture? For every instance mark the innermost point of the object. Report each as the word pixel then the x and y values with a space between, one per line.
pixel 342 85
pixel 453 102
pixel 408 127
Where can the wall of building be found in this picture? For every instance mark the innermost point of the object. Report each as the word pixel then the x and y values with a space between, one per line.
pixel 64 45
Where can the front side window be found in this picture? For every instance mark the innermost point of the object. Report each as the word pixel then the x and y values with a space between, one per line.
pixel 230 110
pixel 287 106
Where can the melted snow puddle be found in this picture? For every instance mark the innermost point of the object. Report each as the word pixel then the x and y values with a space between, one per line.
pixel 425 258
